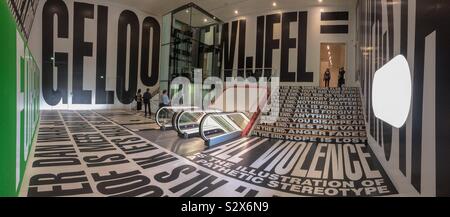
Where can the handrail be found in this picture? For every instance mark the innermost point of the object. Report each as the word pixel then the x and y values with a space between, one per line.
pixel 174 118
pixel 255 115
pixel 180 114
pixel 232 134
pixel 172 108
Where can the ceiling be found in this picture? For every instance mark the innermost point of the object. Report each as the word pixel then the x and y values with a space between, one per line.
pixel 224 9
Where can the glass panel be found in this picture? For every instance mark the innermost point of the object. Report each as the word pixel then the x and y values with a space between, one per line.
pixel 165 115
pixel 194 43
pixel 188 122
pixel 218 125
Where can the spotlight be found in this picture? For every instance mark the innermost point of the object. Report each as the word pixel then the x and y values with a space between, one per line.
pixel 320 1
pixel 274 4
pixel 205 20
pixel 236 12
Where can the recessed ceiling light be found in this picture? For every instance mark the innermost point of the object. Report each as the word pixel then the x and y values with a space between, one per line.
pixel 320 1
pixel 205 20
pixel 236 12
pixel 274 4
pixel 187 11
pixel 328 47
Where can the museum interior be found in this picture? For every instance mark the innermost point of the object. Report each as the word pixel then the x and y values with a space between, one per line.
pixel 225 98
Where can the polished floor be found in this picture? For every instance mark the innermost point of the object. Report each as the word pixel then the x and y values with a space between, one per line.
pixel 122 153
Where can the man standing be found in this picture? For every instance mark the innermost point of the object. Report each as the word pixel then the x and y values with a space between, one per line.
pixel 147 97
pixel 165 101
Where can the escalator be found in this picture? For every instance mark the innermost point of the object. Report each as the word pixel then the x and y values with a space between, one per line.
pixel 165 116
pixel 231 125
pixel 187 123
pixel 212 125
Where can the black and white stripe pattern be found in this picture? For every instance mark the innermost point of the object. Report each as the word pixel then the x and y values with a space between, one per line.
pixel 418 153
pixel 334 22
pixel 24 12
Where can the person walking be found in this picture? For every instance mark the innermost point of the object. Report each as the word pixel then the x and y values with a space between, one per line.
pixel 341 80
pixel 327 78
pixel 138 99
pixel 147 97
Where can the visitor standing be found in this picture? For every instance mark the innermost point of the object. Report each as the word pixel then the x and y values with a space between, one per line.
pixel 165 101
pixel 138 99
pixel 147 97
pixel 327 78
pixel 341 80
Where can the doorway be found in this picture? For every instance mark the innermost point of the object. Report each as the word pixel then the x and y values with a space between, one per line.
pixel 332 56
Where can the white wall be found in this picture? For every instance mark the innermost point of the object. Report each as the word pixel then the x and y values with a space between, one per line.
pixel 314 39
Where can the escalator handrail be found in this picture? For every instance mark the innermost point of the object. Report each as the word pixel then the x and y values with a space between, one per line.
pixel 202 135
pixel 174 118
pixel 180 114
pixel 168 108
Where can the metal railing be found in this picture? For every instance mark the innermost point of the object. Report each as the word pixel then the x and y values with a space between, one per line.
pixel 231 124
pixel 165 115
pixel 187 122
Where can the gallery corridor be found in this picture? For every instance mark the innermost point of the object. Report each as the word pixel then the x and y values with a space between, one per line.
pixel 240 99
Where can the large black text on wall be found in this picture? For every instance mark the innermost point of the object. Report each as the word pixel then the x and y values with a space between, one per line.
pixel 234 34
pixel 421 147
pixel 54 59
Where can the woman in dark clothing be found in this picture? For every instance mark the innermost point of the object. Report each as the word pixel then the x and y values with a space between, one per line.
pixel 138 99
pixel 327 78
pixel 341 80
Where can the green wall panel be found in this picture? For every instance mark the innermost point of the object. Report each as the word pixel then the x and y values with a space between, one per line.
pixel 19 111
pixel 8 96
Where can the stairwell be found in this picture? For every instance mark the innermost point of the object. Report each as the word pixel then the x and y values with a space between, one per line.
pixel 313 114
